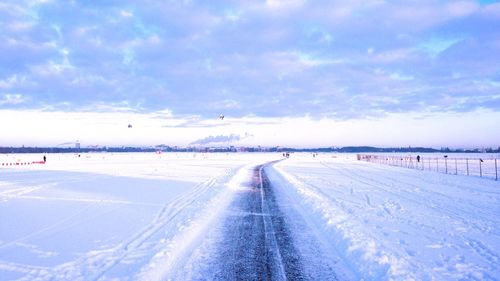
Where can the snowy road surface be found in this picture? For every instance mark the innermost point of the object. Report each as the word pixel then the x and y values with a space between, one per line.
pixel 263 237
pixel 227 216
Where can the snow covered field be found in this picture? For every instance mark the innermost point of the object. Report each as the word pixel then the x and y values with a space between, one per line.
pixel 105 215
pixel 399 223
pixel 139 216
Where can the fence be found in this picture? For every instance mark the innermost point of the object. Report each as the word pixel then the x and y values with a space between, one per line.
pixel 20 163
pixel 456 166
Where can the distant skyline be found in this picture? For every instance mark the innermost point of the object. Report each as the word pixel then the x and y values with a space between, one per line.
pixel 290 73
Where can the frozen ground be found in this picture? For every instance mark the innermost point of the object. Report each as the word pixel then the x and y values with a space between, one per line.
pixel 220 216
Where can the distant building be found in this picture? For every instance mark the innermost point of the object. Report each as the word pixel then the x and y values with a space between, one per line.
pixel 77 145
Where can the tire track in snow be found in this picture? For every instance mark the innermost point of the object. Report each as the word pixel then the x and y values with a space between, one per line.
pixel 253 244
pixel 17 192
pixel 280 266
pixel 256 240
pixel 166 214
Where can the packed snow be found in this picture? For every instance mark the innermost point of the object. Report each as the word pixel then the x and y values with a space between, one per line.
pixel 146 216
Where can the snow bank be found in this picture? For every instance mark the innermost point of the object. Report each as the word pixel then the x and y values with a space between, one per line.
pixel 182 246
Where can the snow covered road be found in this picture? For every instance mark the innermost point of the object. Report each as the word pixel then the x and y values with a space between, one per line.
pixel 263 236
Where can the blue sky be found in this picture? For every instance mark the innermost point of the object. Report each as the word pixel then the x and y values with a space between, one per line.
pixel 174 66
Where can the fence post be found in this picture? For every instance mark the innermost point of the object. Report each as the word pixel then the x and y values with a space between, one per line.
pixel 437 164
pixel 496 171
pixel 467 164
pixel 456 170
pixel 480 170
pixel 446 164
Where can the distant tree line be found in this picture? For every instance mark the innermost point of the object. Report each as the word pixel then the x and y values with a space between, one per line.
pixel 165 148
pixel 365 149
pixel 72 150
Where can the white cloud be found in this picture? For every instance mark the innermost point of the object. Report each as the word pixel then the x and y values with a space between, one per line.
pixel 312 61
pixel 12 81
pixel 39 2
pixel 126 14
pixel 225 104
pixel 114 107
pixel 274 58
pixel 232 15
pixel 12 99
pixel 51 68
pixel 391 56
pixel 401 77
pixel 128 56
pixel 462 8
pixel 281 4
pixel 437 45
pixel 20 26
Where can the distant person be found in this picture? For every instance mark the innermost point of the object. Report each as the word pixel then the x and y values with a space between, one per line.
pixel 44 159
pixel 418 158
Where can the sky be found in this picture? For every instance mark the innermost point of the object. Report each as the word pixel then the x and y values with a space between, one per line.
pixel 283 73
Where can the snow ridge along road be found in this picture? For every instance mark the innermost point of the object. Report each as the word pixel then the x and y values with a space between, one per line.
pixel 262 236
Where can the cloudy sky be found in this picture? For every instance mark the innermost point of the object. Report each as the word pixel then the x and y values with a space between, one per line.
pixel 283 72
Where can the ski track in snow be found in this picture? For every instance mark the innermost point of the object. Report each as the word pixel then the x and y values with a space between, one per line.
pixel 96 264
